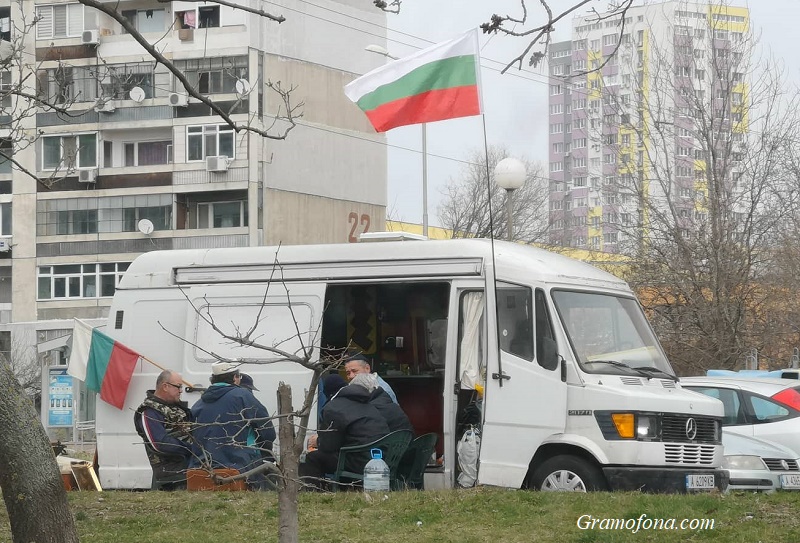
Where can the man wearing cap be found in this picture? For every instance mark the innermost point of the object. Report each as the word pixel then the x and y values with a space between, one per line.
pixel 163 422
pixel 225 415
pixel 356 364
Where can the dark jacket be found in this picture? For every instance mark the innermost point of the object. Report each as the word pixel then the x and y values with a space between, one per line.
pixel 165 431
pixel 225 415
pixel 349 419
pixel 393 413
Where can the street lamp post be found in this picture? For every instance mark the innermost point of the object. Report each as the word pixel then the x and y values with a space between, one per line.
pixel 510 174
pixel 377 49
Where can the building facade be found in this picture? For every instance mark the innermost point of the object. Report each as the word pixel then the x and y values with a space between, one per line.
pixel 637 107
pixel 136 164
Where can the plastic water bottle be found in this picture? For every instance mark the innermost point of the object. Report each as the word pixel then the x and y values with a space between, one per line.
pixel 376 474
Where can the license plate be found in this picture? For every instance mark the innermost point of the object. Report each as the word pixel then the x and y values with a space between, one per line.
pixel 700 482
pixel 791 480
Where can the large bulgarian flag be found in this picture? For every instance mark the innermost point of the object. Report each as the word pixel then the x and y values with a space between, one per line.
pixel 437 83
pixel 105 365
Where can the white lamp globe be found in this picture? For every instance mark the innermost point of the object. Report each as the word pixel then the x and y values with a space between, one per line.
pixel 510 174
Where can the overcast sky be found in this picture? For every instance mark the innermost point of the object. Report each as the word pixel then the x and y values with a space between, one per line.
pixel 515 104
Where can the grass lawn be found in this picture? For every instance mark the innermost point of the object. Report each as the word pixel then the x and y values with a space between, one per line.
pixel 478 515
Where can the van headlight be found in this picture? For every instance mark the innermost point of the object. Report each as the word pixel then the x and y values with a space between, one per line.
pixel 743 462
pixel 646 427
pixel 629 425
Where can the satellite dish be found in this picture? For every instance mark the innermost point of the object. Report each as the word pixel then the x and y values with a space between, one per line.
pixel 145 226
pixel 242 87
pixel 137 94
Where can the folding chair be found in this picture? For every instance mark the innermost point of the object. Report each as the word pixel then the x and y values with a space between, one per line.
pixel 393 446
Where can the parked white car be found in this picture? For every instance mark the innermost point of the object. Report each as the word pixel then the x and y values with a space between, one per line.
pixel 762 408
pixel 759 465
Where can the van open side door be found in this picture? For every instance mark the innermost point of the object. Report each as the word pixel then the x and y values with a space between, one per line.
pixel 525 400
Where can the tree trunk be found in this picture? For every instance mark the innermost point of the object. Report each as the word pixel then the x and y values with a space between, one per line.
pixel 288 523
pixel 29 477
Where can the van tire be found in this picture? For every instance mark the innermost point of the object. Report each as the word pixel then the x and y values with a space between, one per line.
pixel 567 473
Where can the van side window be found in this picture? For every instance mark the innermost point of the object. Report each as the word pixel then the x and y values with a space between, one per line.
pixel 544 331
pixel 515 320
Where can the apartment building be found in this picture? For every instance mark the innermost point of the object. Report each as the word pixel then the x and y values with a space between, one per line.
pixel 138 165
pixel 629 101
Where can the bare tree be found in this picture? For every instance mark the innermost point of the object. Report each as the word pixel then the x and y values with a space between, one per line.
pixel 465 209
pixel 537 38
pixel 33 490
pixel 698 197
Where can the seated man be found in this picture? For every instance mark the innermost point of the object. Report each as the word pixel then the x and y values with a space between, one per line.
pixel 347 419
pixel 395 417
pixel 163 421
pixel 232 427
pixel 357 363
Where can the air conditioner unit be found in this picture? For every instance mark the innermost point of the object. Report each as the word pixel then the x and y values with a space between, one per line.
pixel 178 99
pixel 5 245
pixel 87 176
pixel 216 164
pixel 90 37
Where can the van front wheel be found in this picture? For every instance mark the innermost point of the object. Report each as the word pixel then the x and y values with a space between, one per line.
pixel 566 473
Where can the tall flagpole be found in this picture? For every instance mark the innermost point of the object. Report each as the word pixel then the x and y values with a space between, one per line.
pixel 425 179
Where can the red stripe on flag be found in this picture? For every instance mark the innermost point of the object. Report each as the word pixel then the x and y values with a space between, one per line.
pixel 118 375
pixel 426 107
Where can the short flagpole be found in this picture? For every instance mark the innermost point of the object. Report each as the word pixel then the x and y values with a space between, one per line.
pixel 162 368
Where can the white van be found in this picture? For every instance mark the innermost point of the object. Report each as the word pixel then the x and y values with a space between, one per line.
pixel 578 394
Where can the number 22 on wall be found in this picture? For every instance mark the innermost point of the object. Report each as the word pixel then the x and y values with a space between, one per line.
pixel 355 223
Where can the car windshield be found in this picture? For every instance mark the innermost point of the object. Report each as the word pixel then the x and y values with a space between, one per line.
pixel 610 334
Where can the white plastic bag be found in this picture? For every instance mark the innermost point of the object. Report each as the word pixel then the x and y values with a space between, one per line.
pixel 467 450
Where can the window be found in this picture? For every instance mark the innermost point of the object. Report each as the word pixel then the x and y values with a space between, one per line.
pixel 555 109
pixel 610 39
pixel 6 152
pixel 209 140
pixel 611 237
pixel 556 128
pixel 60 21
pixel 557 69
pixel 214 75
pixel 79 280
pixel 104 214
pixel 579 65
pixel 579 162
pixel 5 219
pixel 119 79
pixel 579 45
pixel 609 158
pixel 700 33
pixel 515 324
pixel 579 181
pixel 556 166
pixel 208 16
pixel 146 20
pixel 594 45
pixel 700 75
pixel 558 147
pixel 684 151
pixel 579 143
pixel 766 410
pixel 69 152
pixel 556 89
pixel 685 192
pixel 5 90
pixel 148 153
pixel 67 84
pixel 222 214
pixel 579 123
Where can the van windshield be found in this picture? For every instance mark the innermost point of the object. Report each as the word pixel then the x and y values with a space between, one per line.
pixel 610 334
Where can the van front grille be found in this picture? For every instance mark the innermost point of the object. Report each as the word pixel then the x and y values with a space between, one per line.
pixel 689 454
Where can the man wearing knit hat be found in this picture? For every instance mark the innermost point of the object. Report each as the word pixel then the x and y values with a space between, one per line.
pixel 225 415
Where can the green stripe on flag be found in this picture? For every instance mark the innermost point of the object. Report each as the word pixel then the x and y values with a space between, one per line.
pixel 99 356
pixel 437 75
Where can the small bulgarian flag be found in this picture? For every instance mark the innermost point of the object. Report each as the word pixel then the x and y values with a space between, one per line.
pixel 103 364
pixel 437 83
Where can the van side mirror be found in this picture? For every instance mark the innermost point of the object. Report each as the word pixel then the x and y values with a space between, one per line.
pixel 548 353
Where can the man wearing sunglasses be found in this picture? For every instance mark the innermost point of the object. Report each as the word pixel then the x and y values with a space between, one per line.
pixel 164 421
